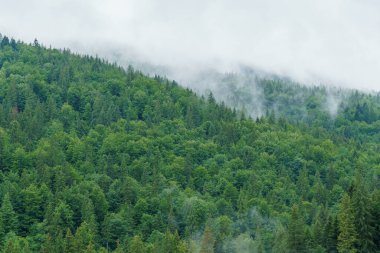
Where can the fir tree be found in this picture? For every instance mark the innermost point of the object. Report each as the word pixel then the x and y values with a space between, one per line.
pixel 348 236
pixel 8 216
pixel 136 245
pixel 362 208
pixel 331 233
pixel 296 232
pixel 69 242
pixel 208 241
pixel 84 237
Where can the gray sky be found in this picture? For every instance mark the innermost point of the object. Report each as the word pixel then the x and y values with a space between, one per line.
pixel 333 42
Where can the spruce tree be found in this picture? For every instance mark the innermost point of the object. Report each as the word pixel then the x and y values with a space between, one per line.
pixel 208 241
pixel 362 207
pixel 296 232
pixel 84 237
pixel 376 216
pixel 280 243
pixel 348 236
pixel 303 185
pixel 69 242
pixel 16 244
pixel 318 229
pixel 331 233
pixel 136 245
pixel 8 216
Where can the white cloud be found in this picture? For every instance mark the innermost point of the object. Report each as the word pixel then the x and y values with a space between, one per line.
pixel 327 41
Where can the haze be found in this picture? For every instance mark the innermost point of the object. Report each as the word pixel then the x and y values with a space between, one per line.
pixel 332 42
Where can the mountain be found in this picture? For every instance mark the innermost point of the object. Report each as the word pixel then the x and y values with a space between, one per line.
pixel 98 158
pixel 257 94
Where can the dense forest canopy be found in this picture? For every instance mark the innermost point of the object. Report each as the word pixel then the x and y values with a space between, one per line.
pixel 97 158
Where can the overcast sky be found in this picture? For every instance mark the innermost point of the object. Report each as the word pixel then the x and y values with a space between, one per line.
pixel 333 42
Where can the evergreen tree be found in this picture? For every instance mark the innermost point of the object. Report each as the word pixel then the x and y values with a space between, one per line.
pixel 376 215
pixel 208 241
pixel 331 233
pixel 16 244
pixel 303 185
pixel 33 207
pixel 8 216
pixel 296 231
pixel 318 232
pixel 136 245
pixel 4 42
pixel 280 243
pixel 69 242
pixel 48 245
pixel 62 219
pixel 362 207
pixel 170 243
pixel 348 236
pixel 84 238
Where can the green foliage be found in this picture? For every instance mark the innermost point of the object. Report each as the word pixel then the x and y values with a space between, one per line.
pixel 97 158
pixel 364 222
pixel 296 231
pixel 348 235
pixel 208 241
pixel 136 245
pixel 9 220
pixel 15 244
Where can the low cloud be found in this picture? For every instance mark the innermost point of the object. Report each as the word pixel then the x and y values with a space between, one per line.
pixel 329 42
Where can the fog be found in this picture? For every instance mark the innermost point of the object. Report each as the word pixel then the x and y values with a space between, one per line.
pixel 330 42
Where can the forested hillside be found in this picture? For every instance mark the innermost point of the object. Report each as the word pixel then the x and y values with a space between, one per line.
pixel 97 158
pixel 256 94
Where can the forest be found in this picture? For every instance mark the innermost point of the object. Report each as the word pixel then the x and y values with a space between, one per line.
pixel 95 157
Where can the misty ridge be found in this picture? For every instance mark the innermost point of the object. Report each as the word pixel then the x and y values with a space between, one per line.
pixel 250 90
pixel 330 42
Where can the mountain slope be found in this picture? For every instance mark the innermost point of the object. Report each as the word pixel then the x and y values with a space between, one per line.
pixel 98 158
pixel 260 94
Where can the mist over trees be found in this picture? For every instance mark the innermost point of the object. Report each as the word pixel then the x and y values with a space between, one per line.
pixel 97 158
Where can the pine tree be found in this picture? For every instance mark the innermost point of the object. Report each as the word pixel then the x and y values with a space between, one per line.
pixel 88 216
pixel 119 248
pixel 32 201
pixel 208 241
pixel 319 189
pixel 4 42
pixel 260 247
pixel 59 242
pixel 347 233
pixel 303 185
pixel 62 219
pixel 376 216
pixel 296 232
pixel 69 242
pixel 318 230
pixel 16 244
pixel 136 245
pixel 170 243
pixel 8 216
pixel 90 248
pixel 362 208
pixel 48 245
pixel 84 237
pixel 280 243
pixel 331 233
